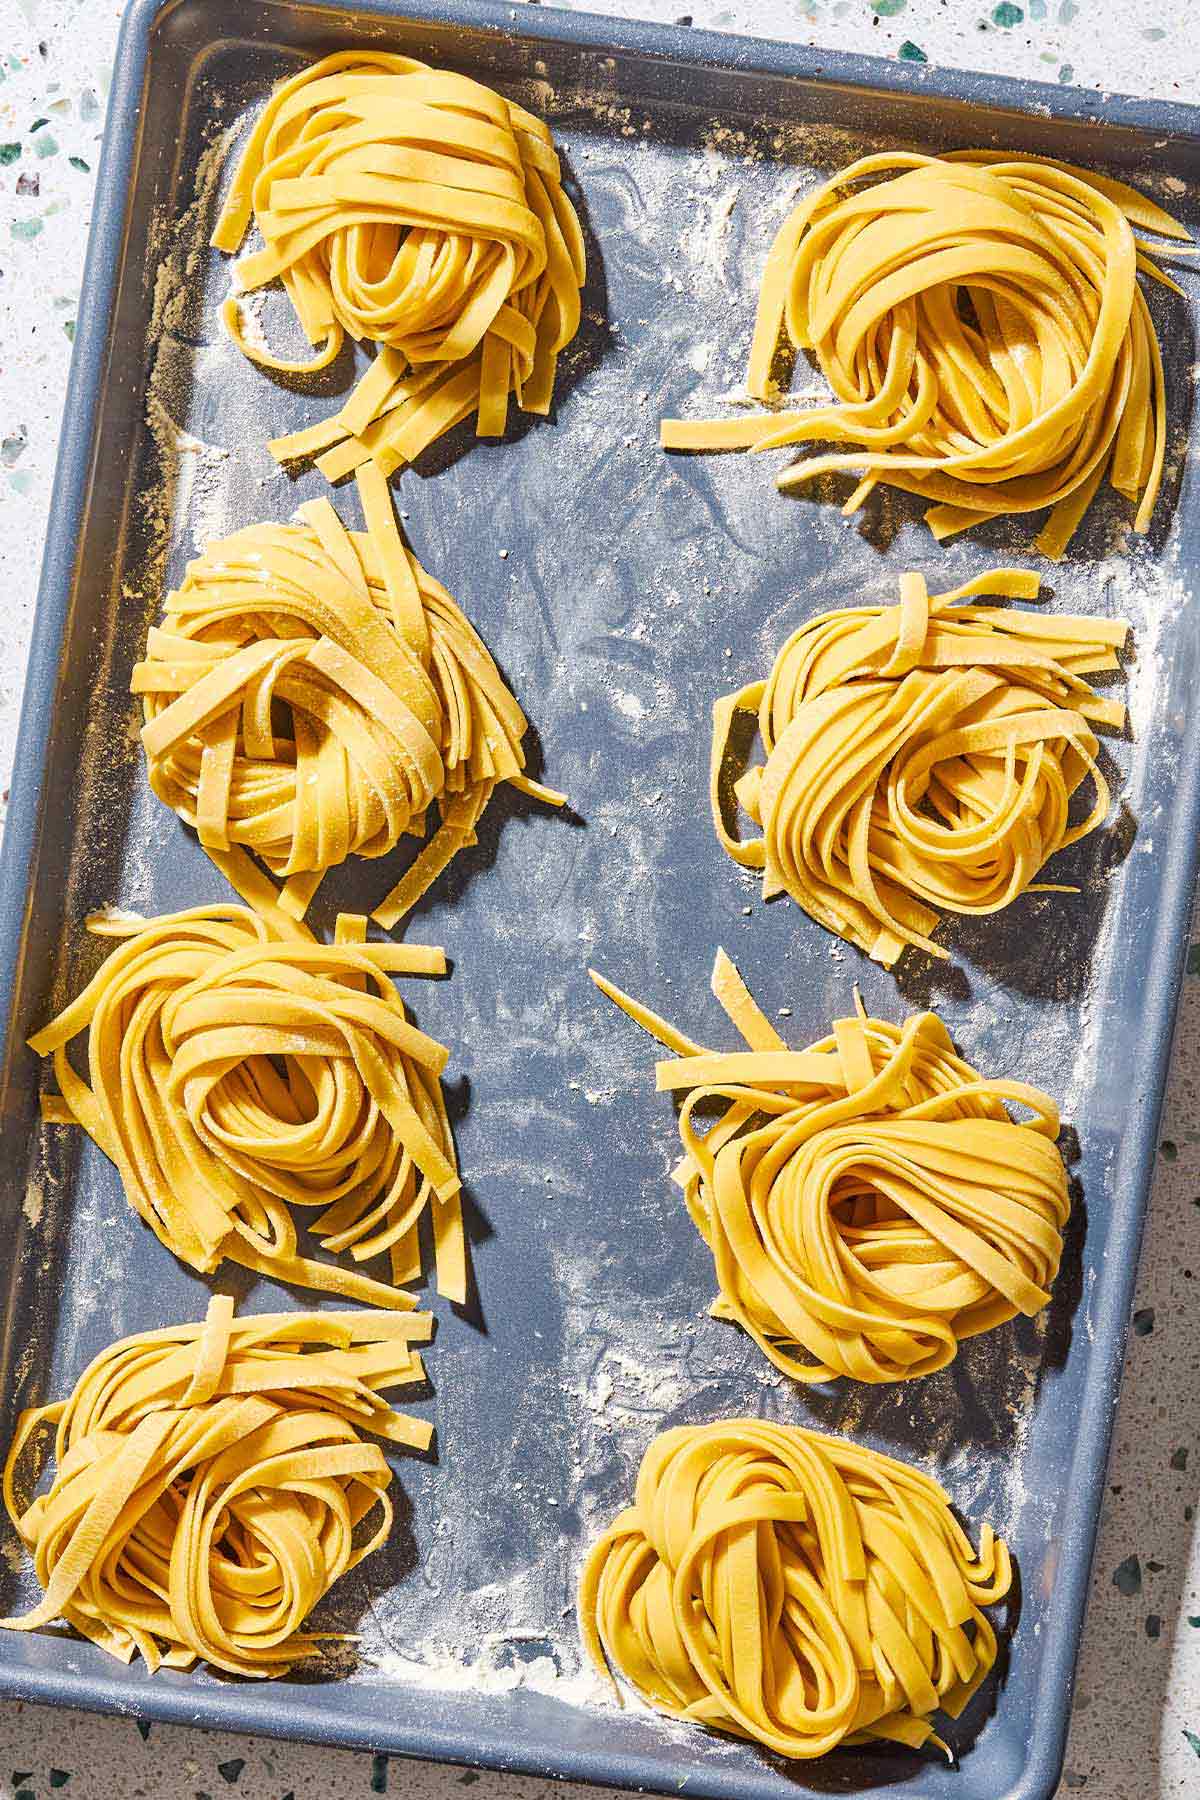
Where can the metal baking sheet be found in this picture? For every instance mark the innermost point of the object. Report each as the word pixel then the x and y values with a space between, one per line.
pixel 621 590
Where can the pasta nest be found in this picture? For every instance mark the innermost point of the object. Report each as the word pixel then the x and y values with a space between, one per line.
pixel 211 1484
pixel 235 1073
pixel 792 1588
pixel 920 759
pixel 308 696
pixel 869 1202
pixel 979 320
pixel 416 209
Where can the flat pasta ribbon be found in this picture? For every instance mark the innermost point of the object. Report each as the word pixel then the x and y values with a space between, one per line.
pixel 418 210
pixel 211 1484
pixel 979 320
pixel 920 758
pixel 869 1202
pixel 237 1071
pixel 792 1588
pixel 310 693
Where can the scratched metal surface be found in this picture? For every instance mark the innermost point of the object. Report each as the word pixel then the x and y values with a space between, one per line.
pixel 621 590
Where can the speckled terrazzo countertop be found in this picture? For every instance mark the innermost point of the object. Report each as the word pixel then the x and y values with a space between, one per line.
pixel 1136 1729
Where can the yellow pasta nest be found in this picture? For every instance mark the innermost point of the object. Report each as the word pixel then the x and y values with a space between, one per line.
pixel 979 320
pixel 920 759
pixel 310 694
pixel 792 1588
pixel 869 1202
pixel 418 210
pixel 211 1483
pixel 236 1072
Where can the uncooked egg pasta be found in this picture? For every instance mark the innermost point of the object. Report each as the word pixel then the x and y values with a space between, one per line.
pixel 236 1071
pixel 792 1588
pixel 211 1483
pixel 415 209
pixel 979 320
pixel 920 758
pixel 311 694
pixel 869 1202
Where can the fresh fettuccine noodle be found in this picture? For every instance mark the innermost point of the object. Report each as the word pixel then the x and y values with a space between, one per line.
pixel 211 1482
pixel 920 758
pixel 310 694
pixel 792 1588
pixel 415 209
pixel 869 1202
pixel 980 322
pixel 236 1071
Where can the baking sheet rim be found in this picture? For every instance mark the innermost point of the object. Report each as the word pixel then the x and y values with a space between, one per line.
pixel 177 1699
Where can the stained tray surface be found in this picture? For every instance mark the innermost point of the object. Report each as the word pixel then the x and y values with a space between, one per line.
pixel 621 590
